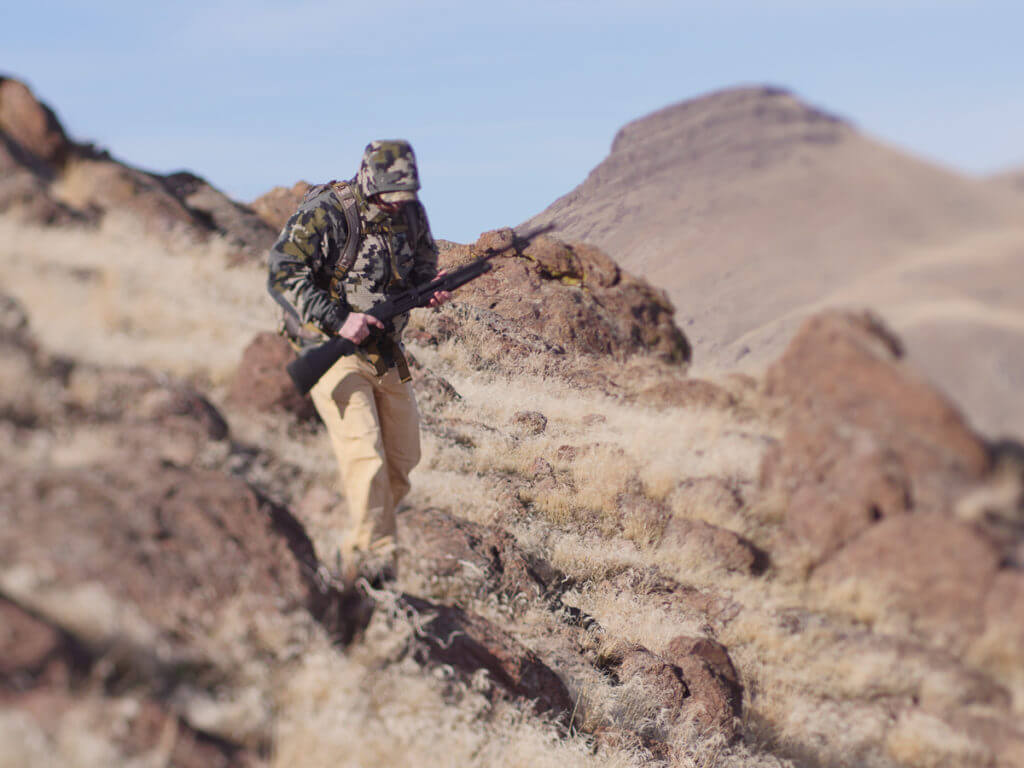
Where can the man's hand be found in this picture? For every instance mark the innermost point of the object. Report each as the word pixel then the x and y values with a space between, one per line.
pixel 357 326
pixel 439 297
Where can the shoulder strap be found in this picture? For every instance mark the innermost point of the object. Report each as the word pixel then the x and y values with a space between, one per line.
pixel 344 195
pixel 413 221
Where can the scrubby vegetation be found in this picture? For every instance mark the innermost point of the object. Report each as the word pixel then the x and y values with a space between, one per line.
pixel 646 514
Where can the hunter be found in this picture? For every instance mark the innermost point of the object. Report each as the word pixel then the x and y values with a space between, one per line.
pixel 350 245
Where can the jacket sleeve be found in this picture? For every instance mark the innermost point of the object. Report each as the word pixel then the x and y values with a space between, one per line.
pixel 291 281
pixel 425 265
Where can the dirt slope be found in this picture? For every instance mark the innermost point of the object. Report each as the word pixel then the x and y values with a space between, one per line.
pixel 752 209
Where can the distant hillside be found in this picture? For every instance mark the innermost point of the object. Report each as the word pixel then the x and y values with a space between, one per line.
pixel 751 209
pixel 1013 179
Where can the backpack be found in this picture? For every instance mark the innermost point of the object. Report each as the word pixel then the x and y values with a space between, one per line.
pixel 350 207
pixel 344 194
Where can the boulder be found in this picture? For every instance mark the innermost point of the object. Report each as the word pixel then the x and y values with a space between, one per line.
pixel 459 556
pixel 432 391
pixel 720 546
pixel 32 149
pixel 716 694
pixel 570 296
pixel 866 438
pixel 24 193
pixel 42 670
pixel 239 223
pixel 27 644
pixel 261 383
pixel 884 484
pixel 931 569
pixel 692 683
pixel 276 206
pixel 31 124
pixel 651 696
pixel 470 643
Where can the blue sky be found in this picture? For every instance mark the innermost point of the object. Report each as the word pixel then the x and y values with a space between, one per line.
pixel 507 108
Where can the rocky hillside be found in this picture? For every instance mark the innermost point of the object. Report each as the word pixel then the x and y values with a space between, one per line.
pixel 605 561
pixel 47 178
pixel 753 209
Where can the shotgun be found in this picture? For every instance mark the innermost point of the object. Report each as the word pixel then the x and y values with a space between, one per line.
pixel 307 369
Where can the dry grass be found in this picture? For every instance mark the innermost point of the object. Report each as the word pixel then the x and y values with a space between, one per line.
pixel 812 698
pixel 119 297
pixel 338 711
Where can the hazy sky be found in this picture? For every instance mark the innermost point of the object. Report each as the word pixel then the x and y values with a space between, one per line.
pixel 507 109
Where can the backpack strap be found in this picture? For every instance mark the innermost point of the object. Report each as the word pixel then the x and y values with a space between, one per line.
pixel 413 222
pixel 350 207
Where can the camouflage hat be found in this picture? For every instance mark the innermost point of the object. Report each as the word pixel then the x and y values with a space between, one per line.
pixel 389 169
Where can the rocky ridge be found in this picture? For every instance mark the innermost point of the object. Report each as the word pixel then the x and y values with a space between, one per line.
pixel 48 178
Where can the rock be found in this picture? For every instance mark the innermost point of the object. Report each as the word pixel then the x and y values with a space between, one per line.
pixel 593 419
pixel 716 694
pixel 432 391
pixel 169 403
pixel 174 543
pixel 33 125
pixel 261 382
pixel 490 340
pixel 573 297
pixel 530 422
pixel 276 206
pixel 239 223
pixel 1002 739
pixel 722 547
pixel 652 696
pixel 27 644
pixel 933 570
pixel 694 681
pixel 996 505
pixel 42 669
pixel 25 182
pixel 459 556
pixel 87 181
pixel 866 438
pixel 871 469
pixel 470 643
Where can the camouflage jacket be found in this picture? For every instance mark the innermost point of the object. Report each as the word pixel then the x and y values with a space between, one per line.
pixel 394 253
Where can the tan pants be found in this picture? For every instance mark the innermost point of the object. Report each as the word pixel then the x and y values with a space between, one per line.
pixel 374 428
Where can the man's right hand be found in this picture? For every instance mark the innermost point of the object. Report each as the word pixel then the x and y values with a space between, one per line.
pixel 357 327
